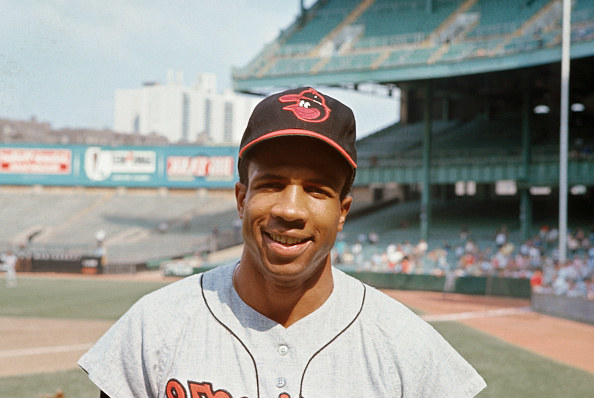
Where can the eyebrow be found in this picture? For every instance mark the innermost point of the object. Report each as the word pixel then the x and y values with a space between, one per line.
pixel 268 176
pixel 327 182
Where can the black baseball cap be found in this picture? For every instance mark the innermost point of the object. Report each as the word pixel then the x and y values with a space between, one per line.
pixel 303 112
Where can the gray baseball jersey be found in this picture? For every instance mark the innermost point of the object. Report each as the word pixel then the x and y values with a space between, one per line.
pixel 196 338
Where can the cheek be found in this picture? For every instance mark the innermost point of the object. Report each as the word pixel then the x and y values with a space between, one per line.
pixel 331 218
pixel 253 209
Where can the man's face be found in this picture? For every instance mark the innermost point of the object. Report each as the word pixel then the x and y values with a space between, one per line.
pixel 291 208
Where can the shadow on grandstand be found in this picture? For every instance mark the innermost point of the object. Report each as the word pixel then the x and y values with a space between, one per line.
pixel 62 225
pixel 397 222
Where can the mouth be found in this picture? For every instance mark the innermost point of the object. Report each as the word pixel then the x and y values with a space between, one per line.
pixel 286 240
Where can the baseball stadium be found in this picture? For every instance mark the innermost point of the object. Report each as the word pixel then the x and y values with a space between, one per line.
pixel 475 209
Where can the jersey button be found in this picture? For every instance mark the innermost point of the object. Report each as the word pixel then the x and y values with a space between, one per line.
pixel 283 350
pixel 280 382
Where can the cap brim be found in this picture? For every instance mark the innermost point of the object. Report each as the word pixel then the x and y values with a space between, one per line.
pixel 299 132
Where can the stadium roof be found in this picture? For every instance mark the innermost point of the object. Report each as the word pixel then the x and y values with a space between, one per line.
pixel 349 42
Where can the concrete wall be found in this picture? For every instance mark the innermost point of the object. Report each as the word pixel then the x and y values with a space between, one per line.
pixel 576 309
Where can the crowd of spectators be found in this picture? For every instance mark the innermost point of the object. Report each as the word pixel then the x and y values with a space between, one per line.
pixel 536 259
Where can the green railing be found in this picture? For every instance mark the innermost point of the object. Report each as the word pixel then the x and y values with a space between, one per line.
pixel 488 170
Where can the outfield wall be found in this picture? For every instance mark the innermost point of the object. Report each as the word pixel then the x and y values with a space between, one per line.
pixel 479 285
pixel 99 166
pixel 573 308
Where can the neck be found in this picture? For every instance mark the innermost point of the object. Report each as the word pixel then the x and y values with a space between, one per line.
pixel 283 303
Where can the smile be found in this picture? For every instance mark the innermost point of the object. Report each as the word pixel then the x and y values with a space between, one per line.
pixel 286 240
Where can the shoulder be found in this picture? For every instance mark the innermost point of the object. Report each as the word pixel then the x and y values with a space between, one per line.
pixel 148 333
pixel 181 296
pixel 390 318
pixel 379 309
pixel 423 357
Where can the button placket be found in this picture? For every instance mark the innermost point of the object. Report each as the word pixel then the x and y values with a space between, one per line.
pixel 283 350
pixel 281 382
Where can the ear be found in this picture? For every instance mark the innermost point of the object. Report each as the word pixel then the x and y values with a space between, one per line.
pixel 345 206
pixel 240 192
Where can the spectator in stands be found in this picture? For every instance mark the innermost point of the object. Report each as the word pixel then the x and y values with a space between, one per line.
pixel 407 248
pixel 536 280
pixel 573 243
pixel 543 232
pixel 552 237
pixel 421 248
pixel 464 233
pixel 535 259
pixel 501 236
pixel 373 237
pixel 470 247
pixel 394 256
pixel 483 263
pixel 357 252
pixel 560 285
pixel 361 238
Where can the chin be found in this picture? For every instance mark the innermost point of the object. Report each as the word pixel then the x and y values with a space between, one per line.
pixel 293 271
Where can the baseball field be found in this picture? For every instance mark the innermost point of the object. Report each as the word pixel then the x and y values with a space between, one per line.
pixel 48 321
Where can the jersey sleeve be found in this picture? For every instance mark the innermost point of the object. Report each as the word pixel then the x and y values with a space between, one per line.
pixel 128 360
pixel 425 363
pixel 440 371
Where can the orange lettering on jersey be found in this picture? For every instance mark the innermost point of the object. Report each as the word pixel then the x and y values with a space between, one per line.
pixel 175 389
pixel 204 390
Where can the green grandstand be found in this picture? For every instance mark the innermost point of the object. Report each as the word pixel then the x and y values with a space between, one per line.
pixel 471 76
pixel 351 42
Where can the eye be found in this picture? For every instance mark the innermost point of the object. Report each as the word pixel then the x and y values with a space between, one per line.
pixel 269 185
pixel 319 191
pixel 304 104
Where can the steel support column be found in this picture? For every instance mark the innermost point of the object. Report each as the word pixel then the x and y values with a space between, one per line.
pixel 525 198
pixel 425 215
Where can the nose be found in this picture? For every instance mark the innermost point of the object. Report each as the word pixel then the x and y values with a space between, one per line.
pixel 291 205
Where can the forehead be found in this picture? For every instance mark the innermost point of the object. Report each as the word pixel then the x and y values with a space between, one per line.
pixel 305 154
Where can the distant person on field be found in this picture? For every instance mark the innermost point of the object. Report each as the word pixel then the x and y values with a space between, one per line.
pixel 10 262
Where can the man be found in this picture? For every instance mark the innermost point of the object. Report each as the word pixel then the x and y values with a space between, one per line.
pixel 282 322
pixel 10 261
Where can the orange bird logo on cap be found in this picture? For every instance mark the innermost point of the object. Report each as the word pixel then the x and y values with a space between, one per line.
pixel 308 105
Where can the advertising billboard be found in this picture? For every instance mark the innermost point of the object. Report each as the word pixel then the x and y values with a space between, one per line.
pixel 151 167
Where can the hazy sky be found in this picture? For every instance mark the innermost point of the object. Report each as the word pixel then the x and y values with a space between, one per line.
pixel 62 60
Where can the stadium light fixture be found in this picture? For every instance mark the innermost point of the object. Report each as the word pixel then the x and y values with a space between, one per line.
pixel 578 190
pixel 540 191
pixel 578 107
pixel 541 109
pixel 465 188
pixel 506 188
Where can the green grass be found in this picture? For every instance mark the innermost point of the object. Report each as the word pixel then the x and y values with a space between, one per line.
pixel 514 372
pixel 73 383
pixel 509 371
pixel 72 298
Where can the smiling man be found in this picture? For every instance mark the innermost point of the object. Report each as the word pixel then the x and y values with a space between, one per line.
pixel 282 321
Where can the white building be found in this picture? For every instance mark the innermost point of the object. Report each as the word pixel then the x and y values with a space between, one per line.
pixel 195 114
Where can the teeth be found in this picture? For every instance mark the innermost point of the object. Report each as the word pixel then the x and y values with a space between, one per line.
pixel 286 240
